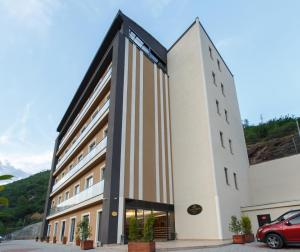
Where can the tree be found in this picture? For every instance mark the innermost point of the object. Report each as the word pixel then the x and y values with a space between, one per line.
pixel 4 200
pixel 148 228
pixel 235 225
pixel 246 225
pixel 132 229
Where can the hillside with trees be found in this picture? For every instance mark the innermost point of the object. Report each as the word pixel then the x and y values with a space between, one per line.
pixel 273 139
pixel 26 202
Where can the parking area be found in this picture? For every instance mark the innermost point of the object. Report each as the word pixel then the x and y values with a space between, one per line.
pixel 29 245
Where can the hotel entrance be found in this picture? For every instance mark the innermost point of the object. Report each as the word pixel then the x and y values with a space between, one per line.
pixel 164 225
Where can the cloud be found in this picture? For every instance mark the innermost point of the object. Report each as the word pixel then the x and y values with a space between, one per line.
pixel 156 7
pixel 7 168
pixel 31 13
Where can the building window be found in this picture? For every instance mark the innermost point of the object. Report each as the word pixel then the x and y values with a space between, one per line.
pixel 59 199
pixel 76 189
pixel 48 229
pixel 226 115
pixel 222 89
pixel 218 107
pixel 230 146
pixel 210 52
pixel 86 217
pixel 235 181
pixel 63 174
pixel 108 97
pixel 102 171
pixel 67 195
pixel 226 175
pixel 83 129
pixel 214 78
pixel 89 182
pixel 80 157
pixel 55 229
pixel 92 145
pixel 221 139
pixel 53 203
pixel 219 66
pixel 71 167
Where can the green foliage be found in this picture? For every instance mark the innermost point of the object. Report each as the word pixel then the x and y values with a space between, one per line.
pixel 133 229
pixel 4 200
pixel 26 196
pixel 84 229
pixel 275 128
pixel 235 225
pixel 148 228
pixel 246 224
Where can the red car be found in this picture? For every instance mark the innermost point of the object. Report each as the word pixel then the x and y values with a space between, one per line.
pixel 285 230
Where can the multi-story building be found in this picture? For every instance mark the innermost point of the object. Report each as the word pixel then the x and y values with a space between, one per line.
pixel 150 130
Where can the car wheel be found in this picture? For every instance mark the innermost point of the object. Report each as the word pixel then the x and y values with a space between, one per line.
pixel 274 241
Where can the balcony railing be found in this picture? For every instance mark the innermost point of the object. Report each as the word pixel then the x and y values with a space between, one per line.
pixel 95 120
pixel 89 193
pixel 88 157
pixel 102 82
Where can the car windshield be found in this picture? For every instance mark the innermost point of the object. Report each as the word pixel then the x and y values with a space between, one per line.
pixel 287 215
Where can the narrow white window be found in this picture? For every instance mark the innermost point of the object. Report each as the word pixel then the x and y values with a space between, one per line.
pixel 226 115
pixel 102 171
pixel 210 52
pixel 105 132
pixel 226 175
pixel 92 145
pixel 76 189
pixel 221 139
pixel 218 107
pixel 67 195
pixel 235 181
pixel 89 182
pixel 80 157
pixel 222 89
pixel 214 78
pixel 219 65
pixel 230 146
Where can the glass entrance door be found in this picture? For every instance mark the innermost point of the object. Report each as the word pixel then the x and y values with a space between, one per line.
pixel 72 229
pixel 98 225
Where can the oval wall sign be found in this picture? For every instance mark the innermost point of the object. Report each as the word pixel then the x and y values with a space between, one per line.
pixel 194 209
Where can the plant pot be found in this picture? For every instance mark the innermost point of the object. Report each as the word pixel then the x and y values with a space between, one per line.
pixel 249 238
pixel 77 242
pixel 238 239
pixel 47 239
pixel 64 241
pixel 141 246
pixel 87 244
pixel 54 240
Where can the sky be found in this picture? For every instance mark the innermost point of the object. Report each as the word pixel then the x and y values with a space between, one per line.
pixel 46 47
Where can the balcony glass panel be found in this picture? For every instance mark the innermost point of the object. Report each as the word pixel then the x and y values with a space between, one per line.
pixel 89 193
pixel 88 157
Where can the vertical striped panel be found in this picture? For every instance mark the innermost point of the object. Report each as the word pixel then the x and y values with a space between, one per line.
pixel 169 139
pixel 157 170
pixel 132 124
pixel 141 135
pixel 162 121
pixel 123 144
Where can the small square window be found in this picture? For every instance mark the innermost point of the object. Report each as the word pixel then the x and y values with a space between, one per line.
pixel 76 189
pixel 89 182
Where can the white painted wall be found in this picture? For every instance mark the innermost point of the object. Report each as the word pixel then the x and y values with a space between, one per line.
pixel 229 198
pixel 191 143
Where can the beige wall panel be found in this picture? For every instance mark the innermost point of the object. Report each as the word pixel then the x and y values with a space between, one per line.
pixel 149 135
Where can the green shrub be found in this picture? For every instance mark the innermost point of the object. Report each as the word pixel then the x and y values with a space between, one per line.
pixel 235 225
pixel 246 224
pixel 133 226
pixel 148 228
pixel 84 229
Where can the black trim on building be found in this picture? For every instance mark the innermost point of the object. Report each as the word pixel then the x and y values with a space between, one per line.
pixel 109 223
pixel 51 181
pixel 147 205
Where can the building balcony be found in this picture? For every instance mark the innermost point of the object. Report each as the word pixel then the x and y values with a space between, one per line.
pixel 97 119
pixel 87 194
pixel 98 89
pixel 100 147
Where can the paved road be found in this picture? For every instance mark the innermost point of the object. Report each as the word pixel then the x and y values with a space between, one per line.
pixel 28 246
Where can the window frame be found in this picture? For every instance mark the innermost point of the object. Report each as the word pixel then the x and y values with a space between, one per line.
pixel 226 176
pixel 235 181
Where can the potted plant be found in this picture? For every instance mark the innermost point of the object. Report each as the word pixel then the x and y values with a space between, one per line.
pixel 247 228
pixel 236 228
pixel 146 244
pixel 85 232
pixel 47 239
pixel 64 241
pixel 54 239
pixel 77 237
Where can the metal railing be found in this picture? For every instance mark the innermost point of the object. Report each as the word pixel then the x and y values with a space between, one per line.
pixel 274 149
pixel 88 193
pixel 99 87
pixel 86 158
pixel 92 123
